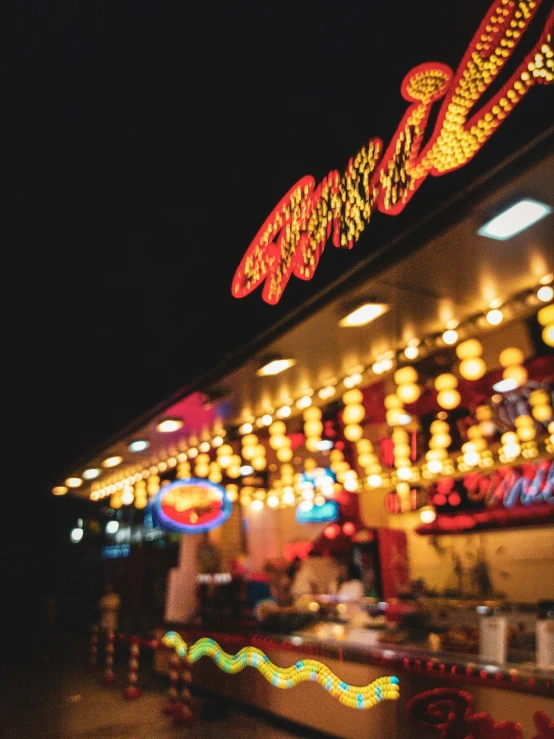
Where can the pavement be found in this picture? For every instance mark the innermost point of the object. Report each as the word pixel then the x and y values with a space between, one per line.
pixel 56 697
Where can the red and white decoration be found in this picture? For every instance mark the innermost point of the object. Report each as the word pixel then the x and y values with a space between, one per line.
pixel 132 691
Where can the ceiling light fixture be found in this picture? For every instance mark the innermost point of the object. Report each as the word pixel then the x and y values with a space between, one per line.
pixel 505 386
pixel 275 367
pixel 363 315
pixel 59 490
pixel 73 482
pixel 112 461
pixel 139 445
pixel 169 424
pixel 91 474
pixel 515 219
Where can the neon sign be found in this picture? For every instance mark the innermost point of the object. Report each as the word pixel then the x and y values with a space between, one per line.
pixel 324 513
pixel 293 237
pixel 191 506
pixel 353 696
pixel 533 483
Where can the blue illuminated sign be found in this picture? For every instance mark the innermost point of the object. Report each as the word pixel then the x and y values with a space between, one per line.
pixel 325 513
pixel 116 551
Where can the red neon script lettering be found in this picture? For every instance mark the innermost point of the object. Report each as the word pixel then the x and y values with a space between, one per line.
pixel 293 237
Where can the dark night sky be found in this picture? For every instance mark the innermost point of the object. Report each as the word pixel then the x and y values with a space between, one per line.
pixel 149 142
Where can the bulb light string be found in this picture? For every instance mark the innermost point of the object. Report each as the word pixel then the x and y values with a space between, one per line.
pixel 360 697
pixel 414 348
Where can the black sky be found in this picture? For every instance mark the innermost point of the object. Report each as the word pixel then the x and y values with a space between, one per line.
pixel 149 142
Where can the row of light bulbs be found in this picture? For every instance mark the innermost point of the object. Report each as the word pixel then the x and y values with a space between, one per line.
pixel 437 461
pixel 307 494
pixel 471 367
pixel 544 292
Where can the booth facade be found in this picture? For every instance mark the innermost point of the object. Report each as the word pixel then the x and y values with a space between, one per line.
pixel 403 424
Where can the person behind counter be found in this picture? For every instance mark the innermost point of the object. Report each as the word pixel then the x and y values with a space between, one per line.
pixel 353 586
pixel 352 589
pixel 315 575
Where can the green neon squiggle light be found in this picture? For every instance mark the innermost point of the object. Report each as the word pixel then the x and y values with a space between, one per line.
pixel 361 697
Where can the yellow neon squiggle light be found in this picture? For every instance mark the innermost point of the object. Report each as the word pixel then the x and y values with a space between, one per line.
pixel 361 697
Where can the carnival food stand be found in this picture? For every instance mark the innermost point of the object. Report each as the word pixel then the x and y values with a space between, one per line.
pixel 404 423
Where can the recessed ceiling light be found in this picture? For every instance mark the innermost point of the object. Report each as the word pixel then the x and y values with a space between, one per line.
pixel 91 474
pixel 505 386
pixel 112 461
pixel 169 424
pixel 275 367
pixel 139 445
pixel 363 315
pixel 73 482
pixel 515 219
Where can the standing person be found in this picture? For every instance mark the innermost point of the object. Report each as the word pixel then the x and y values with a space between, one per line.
pixel 110 603
pixel 352 589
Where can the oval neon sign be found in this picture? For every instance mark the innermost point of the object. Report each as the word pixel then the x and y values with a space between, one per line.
pixel 192 506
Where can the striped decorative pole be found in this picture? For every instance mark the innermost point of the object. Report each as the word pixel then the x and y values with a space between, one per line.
pixel 109 675
pixel 173 692
pixel 93 654
pixel 131 691
pixel 183 714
